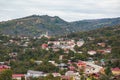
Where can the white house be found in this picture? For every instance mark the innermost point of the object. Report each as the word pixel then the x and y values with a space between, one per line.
pixel 56 74
pixel 76 75
pixel 92 52
pixel 32 73
pixel 80 42
pixel 92 68
pixel 38 62
pixel 69 73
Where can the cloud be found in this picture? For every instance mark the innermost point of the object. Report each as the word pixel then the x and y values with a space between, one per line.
pixel 69 10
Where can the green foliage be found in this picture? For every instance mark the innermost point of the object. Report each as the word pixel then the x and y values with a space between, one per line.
pixel 6 75
pixel 47 67
pixel 108 71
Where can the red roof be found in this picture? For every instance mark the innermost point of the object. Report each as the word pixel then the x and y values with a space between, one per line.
pixel 18 75
pixel 44 45
pixel 4 67
pixel 65 77
pixel 71 67
pixel 80 63
pixel 115 69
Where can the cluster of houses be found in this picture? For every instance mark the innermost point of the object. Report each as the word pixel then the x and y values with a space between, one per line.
pixel 106 49
pixel 85 67
pixel 101 51
pixel 66 45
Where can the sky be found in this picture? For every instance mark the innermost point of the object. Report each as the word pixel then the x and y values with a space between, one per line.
pixel 69 10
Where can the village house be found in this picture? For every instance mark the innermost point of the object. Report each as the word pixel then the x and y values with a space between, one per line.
pixel 53 62
pixel 31 73
pixel 4 67
pixel 104 51
pixel 18 76
pixel 54 42
pixel 44 46
pixel 92 52
pixel 77 76
pixel 101 44
pixel 63 77
pixel 63 66
pixel 92 68
pixel 69 73
pixel 11 41
pixel 2 63
pixel 44 35
pixel 116 71
pixel 71 68
pixel 81 65
pixel 13 54
pixel 38 62
pixel 91 38
pixel 72 74
pixel 66 45
pixel 55 49
pixel 89 67
pixel 108 50
pixel 56 74
pixel 80 42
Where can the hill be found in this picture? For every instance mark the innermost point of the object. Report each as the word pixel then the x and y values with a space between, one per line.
pixel 36 25
pixel 108 35
pixel 26 55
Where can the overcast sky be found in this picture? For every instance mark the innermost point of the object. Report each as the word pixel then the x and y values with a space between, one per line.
pixel 69 10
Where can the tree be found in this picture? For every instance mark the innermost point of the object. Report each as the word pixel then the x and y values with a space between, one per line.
pixel 108 71
pixel 23 78
pixel 47 67
pixel 103 77
pixel 6 75
pixel 76 48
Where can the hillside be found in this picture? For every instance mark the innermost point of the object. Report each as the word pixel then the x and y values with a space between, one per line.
pixel 36 25
pixel 98 33
pixel 94 24
pixel 108 35
pixel 25 53
pixel 33 25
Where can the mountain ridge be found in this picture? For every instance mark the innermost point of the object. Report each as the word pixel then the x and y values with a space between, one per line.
pixel 35 25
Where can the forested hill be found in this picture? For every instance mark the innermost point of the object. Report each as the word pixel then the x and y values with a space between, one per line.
pixel 36 25
pixel 108 35
pixel 105 32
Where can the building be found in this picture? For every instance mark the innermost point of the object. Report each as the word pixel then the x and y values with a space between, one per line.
pixel 73 75
pixel 31 73
pixel 56 74
pixel 4 67
pixel 81 65
pixel 101 44
pixel 62 66
pixel 116 71
pixel 92 52
pixel 89 67
pixel 38 62
pixel 65 77
pixel 93 68
pixel 69 73
pixel 80 42
pixel 71 68
pixel 18 76
pixel 44 46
